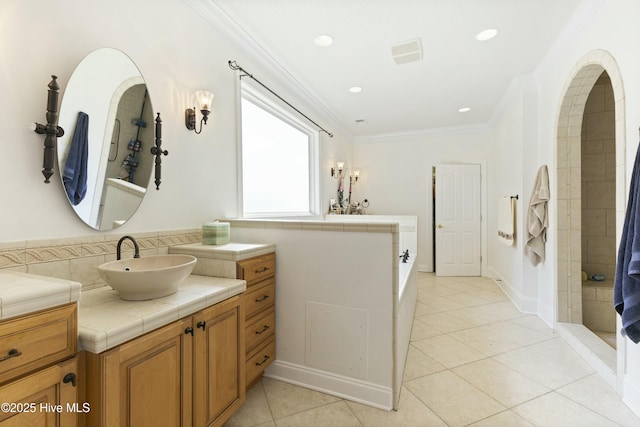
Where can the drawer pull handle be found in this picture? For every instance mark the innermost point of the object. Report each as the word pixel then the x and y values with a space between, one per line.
pixel 201 324
pixel 262 270
pixel 264 359
pixel 264 329
pixel 12 353
pixel 264 297
pixel 188 330
pixel 70 378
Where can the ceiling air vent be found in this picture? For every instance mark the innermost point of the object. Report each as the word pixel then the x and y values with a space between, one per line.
pixel 408 51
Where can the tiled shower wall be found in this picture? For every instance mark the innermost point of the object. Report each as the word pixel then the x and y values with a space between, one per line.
pixel 77 259
pixel 599 182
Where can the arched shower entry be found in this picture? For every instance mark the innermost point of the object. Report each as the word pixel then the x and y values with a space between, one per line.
pixel 590 134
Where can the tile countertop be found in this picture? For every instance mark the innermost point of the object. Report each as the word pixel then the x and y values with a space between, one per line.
pixel 22 293
pixel 105 321
pixel 228 252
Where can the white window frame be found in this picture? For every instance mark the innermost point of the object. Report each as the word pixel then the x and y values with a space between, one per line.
pixel 268 104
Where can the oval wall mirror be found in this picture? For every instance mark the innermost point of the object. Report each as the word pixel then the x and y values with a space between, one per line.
pixel 104 158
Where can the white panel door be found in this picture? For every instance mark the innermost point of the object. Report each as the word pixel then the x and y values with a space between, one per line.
pixel 458 220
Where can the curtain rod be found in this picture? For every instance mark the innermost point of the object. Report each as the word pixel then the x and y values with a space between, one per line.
pixel 234 66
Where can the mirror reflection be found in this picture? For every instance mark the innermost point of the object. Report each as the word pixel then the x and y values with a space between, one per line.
pixel 104 158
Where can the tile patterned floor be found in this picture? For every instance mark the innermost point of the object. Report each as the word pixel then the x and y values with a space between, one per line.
pixel 474 360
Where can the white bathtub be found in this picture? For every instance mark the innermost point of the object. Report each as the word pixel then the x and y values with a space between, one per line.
pixel 403 320
pixel 404 271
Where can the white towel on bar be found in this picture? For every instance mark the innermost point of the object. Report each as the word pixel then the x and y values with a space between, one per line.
pixel 506 220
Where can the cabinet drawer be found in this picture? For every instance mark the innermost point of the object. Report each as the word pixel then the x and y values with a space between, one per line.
pixel 260 297
pixel 259 361
pixel 260 329
pixel 32 341
pixel 255 269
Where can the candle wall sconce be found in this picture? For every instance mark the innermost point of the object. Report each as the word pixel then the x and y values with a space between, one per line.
pixel 205 99
pixel 338 170
pixel 51 130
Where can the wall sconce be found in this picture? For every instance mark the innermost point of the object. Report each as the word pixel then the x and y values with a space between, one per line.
pixel 204 104
pixel 51 129
pixel 337 171
pixel 353 177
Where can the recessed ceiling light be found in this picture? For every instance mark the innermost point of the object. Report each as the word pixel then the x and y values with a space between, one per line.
pixel 487 34
pixel 464 109
pixel 323 40
pixel 355 89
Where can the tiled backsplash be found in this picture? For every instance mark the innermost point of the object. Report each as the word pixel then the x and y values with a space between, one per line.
pixel 76 258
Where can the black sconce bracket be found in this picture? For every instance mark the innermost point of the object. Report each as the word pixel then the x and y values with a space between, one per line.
pixel 51 129
pixel 158 152
pixel 190 119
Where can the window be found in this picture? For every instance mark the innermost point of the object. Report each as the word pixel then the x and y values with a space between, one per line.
pixel 278 160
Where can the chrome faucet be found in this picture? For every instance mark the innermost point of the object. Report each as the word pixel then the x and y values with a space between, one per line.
pixel 136 253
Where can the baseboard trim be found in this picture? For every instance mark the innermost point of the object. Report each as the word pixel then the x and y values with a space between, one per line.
pixel 631 396
pixel 526 305
pixel 336 385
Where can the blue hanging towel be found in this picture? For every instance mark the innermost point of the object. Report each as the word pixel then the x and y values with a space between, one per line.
pixel 626 291
pixel 74 175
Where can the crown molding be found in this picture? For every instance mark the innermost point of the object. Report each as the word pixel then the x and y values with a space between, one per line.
pixel 518 85
pixel 421 133
pixel 579 20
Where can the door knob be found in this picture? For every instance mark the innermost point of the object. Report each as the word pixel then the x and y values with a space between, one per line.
pixel 439 225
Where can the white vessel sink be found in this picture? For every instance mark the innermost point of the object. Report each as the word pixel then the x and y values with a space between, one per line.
pixel 146 278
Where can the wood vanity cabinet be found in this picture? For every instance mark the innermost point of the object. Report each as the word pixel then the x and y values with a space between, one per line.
pixel 259 301
pixel 188 373
pixel 38 369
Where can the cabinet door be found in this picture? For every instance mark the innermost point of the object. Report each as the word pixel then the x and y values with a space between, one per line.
pixel 219 362
pixel 147 381
pixel 43 398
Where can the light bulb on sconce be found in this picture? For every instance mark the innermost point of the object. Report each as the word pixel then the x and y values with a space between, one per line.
pixel 205 99
pixel 354 176
pixel 338 170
